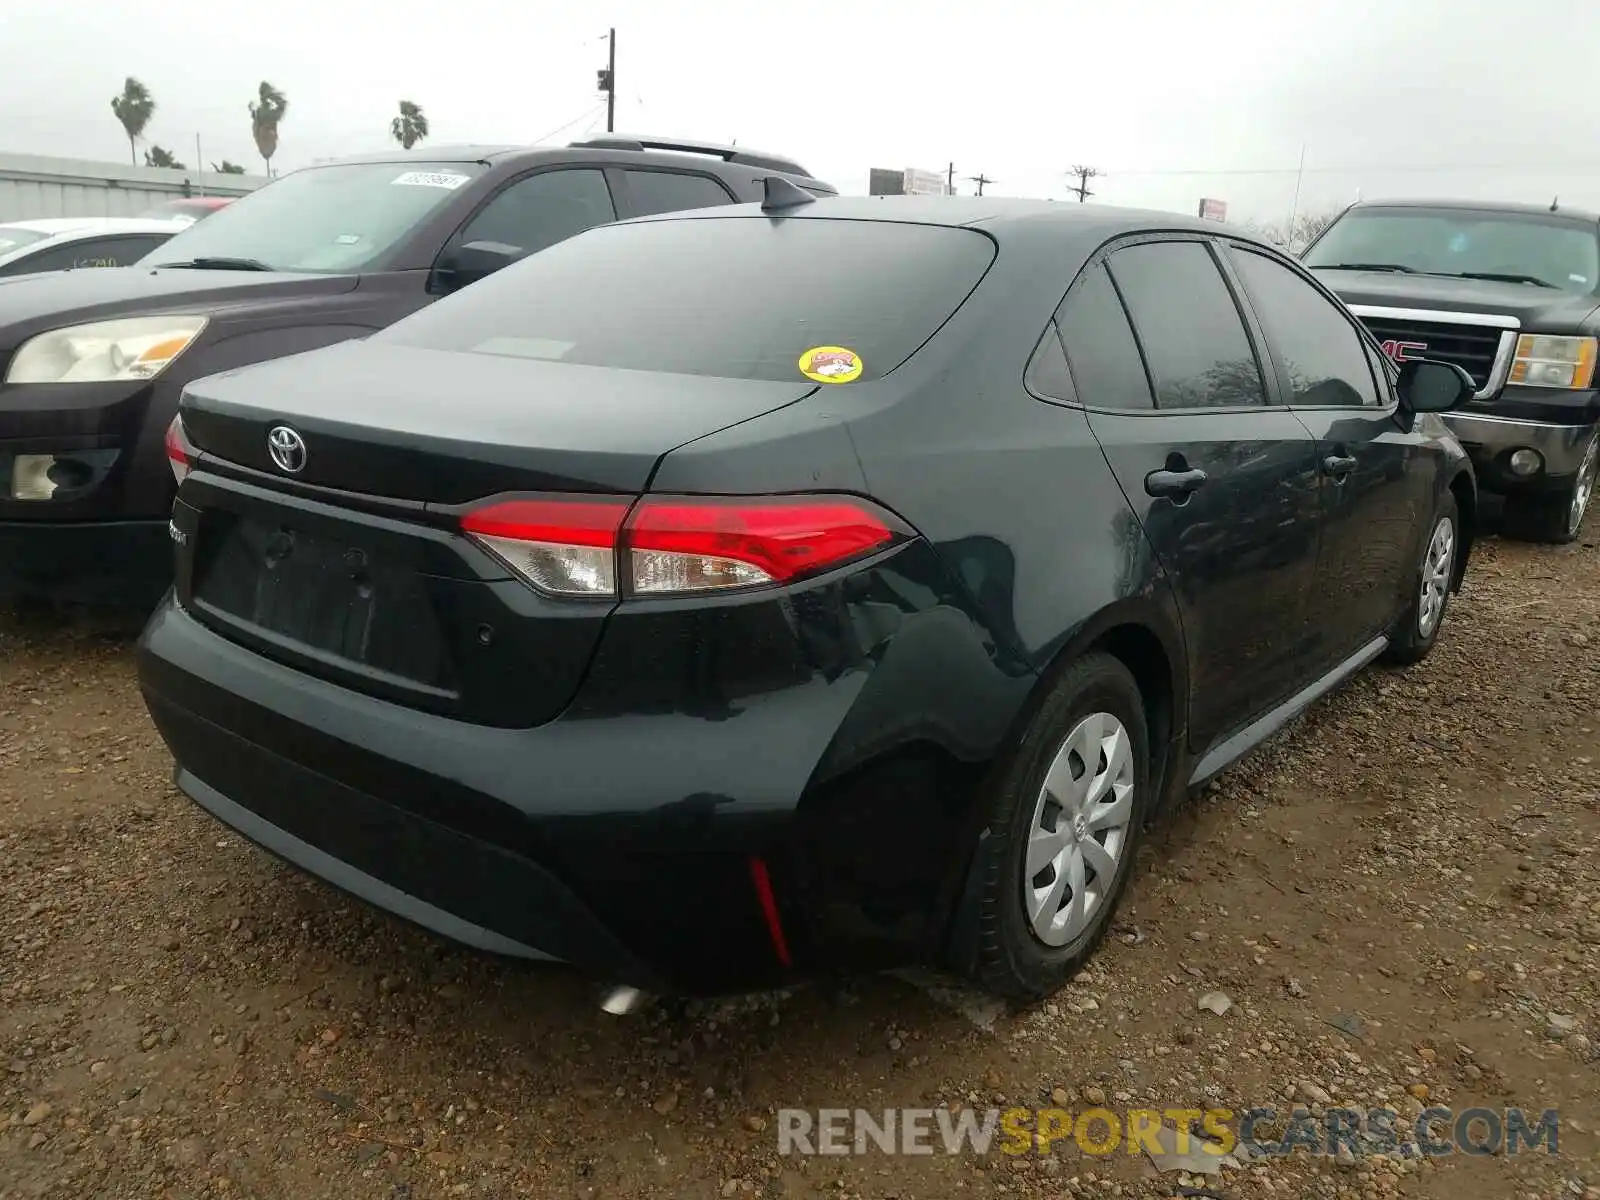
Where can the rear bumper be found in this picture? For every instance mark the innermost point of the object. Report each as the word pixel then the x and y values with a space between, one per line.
pixel 622 847
pixel 111 562
pixel 624 836
pixel 1492 439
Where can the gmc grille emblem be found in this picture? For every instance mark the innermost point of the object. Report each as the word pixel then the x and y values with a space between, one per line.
pixel 1403 351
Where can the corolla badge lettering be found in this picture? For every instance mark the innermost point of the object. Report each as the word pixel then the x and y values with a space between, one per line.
pixel 287 448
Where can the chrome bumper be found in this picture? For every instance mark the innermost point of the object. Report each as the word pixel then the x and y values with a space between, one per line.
pixel 1487 438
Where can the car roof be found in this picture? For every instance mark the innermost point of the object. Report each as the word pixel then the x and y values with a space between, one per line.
pixel 679 150
pixel 1099 221
pixel 90 226
pixel 1493 206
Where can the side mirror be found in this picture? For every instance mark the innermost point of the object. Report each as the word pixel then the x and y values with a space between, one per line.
pixel 1427 385
pixel 475 260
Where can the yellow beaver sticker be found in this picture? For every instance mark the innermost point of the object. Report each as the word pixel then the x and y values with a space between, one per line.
pixel 830 364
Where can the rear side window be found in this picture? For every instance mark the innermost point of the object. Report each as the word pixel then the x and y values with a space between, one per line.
pixel 738 297
pixel 672 191
pixel 1186 319
pixel 84 253
pixel 1100 348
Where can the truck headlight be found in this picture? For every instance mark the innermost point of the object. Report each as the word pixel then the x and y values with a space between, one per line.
pixel 1557 362
pixel 130 348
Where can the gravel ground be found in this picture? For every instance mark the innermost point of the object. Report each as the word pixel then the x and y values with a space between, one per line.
pixel 1399 898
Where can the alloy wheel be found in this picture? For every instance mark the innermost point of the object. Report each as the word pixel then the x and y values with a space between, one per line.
pixel 1584 487
pixel 1438 564
pixel 1079 830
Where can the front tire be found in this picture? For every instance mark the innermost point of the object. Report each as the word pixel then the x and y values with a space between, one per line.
pixel 1418 628
pixel 1556 519
pixel 1064 826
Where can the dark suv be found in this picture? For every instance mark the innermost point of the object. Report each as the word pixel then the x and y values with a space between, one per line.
pixel 92 362
pixel 1510 292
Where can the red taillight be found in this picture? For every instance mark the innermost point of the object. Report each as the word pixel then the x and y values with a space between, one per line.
pixel 677 544
pixel 180 452
pixel 690 544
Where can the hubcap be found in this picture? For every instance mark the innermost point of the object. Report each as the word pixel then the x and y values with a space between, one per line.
pixel 1582 490
pixel 1437 566
pixel 1079 830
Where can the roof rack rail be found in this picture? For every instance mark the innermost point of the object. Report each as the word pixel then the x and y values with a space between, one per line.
pixel 731 154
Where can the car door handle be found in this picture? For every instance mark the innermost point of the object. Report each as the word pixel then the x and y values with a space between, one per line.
pixel 1338 464
pixel 1174 484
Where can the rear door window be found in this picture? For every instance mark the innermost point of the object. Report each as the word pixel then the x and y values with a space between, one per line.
pixel 541 210
pixel 738 297
pixel 1104 358
pixel 651 192
pixel 1186 320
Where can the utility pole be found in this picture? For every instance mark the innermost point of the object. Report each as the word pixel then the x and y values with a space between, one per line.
pixel 950 181
pixel 980 179
pixel 608 80
pixel 1084 174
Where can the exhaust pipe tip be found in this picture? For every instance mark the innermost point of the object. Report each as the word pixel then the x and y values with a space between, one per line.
pixel 621 1000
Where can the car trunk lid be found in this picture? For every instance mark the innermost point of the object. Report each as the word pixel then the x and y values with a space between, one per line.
pixel 353 567
pixel 446 429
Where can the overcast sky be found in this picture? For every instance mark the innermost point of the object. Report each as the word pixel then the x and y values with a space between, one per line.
pixel 1172 101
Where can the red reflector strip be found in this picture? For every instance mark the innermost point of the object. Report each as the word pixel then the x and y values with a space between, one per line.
pixel 180 453
pixel 784 537
pixel 575 522
pixel 769 908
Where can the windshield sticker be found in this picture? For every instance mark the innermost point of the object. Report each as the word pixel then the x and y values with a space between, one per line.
pixel 830 364
pixel 1578 278
pixel 347 239
pixel 436 179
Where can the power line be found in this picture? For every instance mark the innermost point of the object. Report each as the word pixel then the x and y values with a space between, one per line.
pixel 587 114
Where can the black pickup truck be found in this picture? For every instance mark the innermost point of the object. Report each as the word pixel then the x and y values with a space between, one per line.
pixel 1511 293
pixel 92 362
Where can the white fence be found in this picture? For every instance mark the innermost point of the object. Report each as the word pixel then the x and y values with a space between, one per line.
pixel 33 186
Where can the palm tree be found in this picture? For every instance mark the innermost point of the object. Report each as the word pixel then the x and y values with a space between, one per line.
pixel 227 168
pixel 411 126
pixel 133 107
pixel 266 114
pixel 158 156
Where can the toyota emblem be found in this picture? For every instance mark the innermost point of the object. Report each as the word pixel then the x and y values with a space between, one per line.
pixel 287 448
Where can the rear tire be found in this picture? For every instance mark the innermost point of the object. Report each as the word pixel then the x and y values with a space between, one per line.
pixel 1047 895
pixel 1556 519
pixel 1414 634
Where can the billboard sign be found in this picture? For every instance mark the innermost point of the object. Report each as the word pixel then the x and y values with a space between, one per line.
pixel 1213 210
pixel 883 182
pixel 925 183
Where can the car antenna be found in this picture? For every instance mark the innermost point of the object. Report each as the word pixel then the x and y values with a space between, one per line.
pixel 779 193
pixel 1553 203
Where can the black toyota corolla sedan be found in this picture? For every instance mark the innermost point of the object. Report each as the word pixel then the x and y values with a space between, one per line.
pixel 724 597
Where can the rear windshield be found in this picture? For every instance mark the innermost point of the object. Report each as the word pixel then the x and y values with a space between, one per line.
pixel 739 297
pixel 12 238
pixel 1526 248
pixel 332 219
